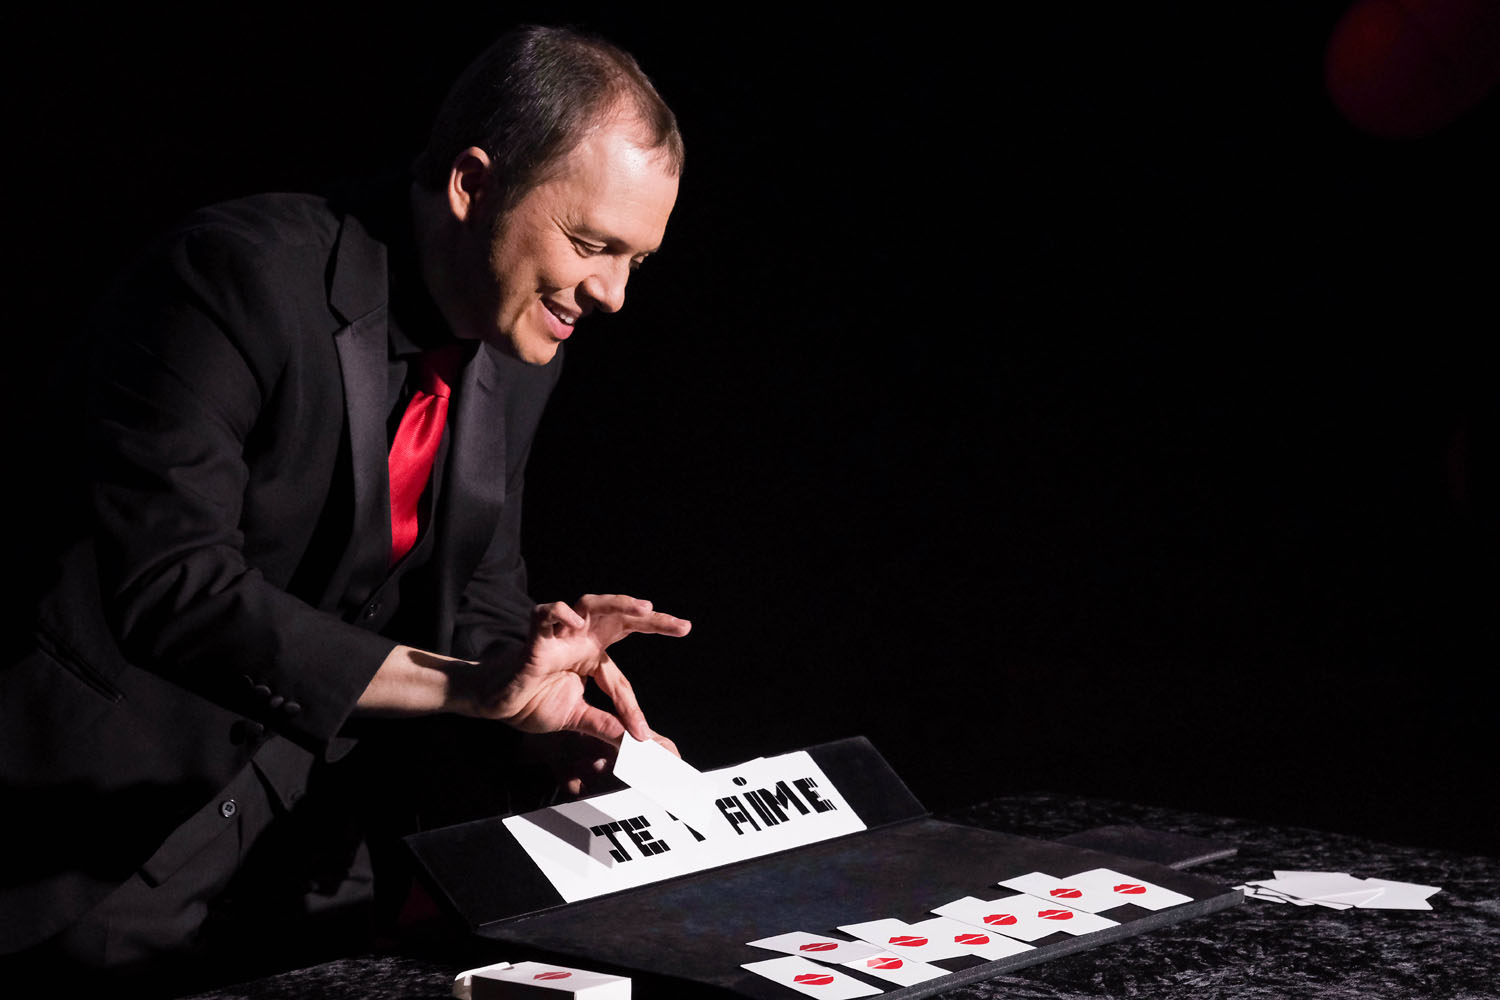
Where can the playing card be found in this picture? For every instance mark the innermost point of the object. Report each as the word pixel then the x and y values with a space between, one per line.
pixel 823 948
pixel 973 940
pixel 1316 885
pixel 900 938
pixel 896 969
pixel 539 981
pixel 672 783
pixel 1334 890
pixel 1022 916
pixel 1256 892
pixel 1340 890
pixel 811 978
pixel 1400 895
pixel 1126 889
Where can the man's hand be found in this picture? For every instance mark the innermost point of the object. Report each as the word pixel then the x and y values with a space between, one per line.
pixel 539 689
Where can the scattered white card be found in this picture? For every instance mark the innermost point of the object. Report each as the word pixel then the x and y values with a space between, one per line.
pixel 811 978
pixel 672 783
pixel 821 947
pixel 1022 916
pixel 1256 892
pixel 900 938
pixel 1400 895
pixel 897 969
pixel 1341 891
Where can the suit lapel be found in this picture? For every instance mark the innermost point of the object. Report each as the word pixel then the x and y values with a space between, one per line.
pixel 358 292
pixel 473 492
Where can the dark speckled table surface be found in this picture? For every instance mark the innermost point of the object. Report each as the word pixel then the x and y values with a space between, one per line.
pixel 1255 950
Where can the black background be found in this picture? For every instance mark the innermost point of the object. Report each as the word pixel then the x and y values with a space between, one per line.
pixel 1070 400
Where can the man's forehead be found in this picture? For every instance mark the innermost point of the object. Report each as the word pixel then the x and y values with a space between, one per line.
pixel 613 188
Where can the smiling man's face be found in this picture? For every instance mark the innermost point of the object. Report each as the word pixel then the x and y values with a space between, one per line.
pixel 569 245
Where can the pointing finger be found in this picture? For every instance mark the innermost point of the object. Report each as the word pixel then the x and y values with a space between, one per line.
pixel 599 724
pixel 614 683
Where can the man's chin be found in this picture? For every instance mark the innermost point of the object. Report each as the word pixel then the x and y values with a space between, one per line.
pixel 533 352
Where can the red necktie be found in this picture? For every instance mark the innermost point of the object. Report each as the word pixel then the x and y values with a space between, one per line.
pixel 416 445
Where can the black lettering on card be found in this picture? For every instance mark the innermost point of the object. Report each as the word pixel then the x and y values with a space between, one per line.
pixel 760 809
pixel 639 832
pixel 806 786
pixel 768 807
pixel 609 830
pixel 734 811
pixel 783 796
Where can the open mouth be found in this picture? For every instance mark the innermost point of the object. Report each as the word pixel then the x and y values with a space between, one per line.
pixel 565 318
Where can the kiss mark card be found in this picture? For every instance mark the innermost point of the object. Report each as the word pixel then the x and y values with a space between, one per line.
pixel 900 938
pixel 896 969
pixel 974 941
pixel 1068 892
pixel 1127 889
pixel 811 978
pixel 1024 917
pixel 835 951
pixel 539 981
pixel 1096 890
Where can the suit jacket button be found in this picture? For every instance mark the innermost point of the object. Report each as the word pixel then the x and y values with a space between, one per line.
pixel 228 808
pixel 372 609
pixel 243 731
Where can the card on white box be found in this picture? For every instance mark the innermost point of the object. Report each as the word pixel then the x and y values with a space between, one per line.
pixel 540 981
pixel 973 940
pixel 811 978
pixel 820 947
pixel 1023 916
pixel 897 969
pixel 900 938
pixel 1127 889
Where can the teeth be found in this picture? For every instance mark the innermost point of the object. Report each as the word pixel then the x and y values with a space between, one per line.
pixel 563 317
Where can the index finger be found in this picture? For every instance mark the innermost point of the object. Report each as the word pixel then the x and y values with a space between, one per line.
pixel 612 681
pixel 659 623
pixel 632 614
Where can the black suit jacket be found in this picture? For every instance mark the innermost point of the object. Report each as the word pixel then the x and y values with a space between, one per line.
pixel 231 583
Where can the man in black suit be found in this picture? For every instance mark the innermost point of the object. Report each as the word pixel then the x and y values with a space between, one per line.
pixel 246 579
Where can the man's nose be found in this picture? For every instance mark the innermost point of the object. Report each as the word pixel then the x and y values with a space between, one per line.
pixel 606 286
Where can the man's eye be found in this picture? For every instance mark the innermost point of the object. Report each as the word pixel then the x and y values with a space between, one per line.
pixel 588 249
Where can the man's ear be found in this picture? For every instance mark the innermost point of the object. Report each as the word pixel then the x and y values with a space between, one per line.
pixel 470 186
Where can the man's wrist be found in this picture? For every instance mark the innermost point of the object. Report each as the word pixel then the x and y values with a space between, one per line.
pixel 412 681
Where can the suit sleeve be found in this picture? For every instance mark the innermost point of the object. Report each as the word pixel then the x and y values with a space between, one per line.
pixel 210 367
pixel 494 611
